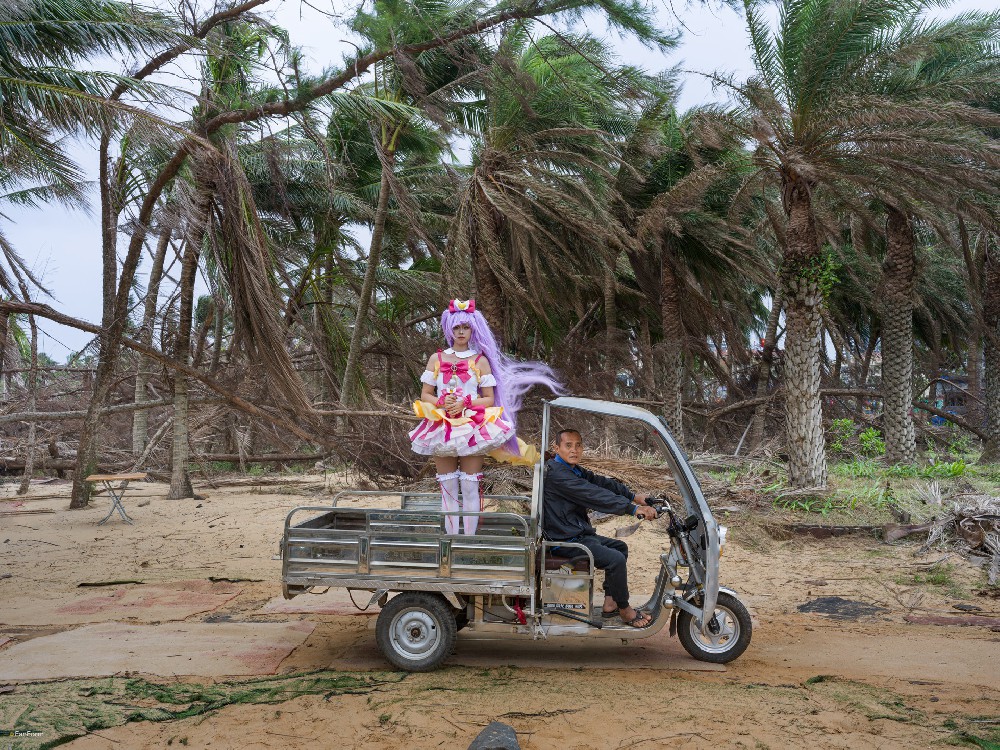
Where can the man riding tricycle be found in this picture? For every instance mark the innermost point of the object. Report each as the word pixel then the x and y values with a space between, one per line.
pixel 524 575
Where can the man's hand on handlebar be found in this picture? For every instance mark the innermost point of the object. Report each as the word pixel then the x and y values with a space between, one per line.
pixel 641 498
pixel 645 512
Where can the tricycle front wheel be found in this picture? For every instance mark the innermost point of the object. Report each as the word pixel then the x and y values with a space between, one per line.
pixel 416 631
pixel 726 638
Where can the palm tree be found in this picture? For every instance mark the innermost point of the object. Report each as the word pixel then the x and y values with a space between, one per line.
pixel 411 82
pixel 537 206
pixel 43 46
pixel 47 90
pixel 824 118
pixel 956 172
pixel 680 189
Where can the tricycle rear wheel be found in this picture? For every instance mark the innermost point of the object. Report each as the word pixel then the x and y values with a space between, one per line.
pixel 416 631
pixel 726 640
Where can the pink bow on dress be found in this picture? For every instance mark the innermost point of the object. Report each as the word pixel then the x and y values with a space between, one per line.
pixel 459 370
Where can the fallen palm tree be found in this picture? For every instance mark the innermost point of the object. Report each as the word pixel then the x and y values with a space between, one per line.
pixel 972 526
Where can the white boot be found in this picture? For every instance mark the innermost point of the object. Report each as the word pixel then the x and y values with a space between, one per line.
pixel 472 501
pixel 449 499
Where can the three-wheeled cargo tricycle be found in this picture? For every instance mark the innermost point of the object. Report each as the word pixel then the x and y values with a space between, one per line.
pixel 506 579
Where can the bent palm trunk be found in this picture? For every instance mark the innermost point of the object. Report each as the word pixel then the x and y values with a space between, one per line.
pixel 180 480
pixel 347 388
pixel 140 420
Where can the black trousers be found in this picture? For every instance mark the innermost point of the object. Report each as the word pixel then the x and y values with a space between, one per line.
pixel 610 555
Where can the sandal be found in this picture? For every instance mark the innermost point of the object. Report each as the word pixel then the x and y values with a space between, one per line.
pixel 606 613
pixel 639 617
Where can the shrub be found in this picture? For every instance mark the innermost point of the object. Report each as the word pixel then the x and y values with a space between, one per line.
pixel 841 432
pixel 862 469
pixel 871 442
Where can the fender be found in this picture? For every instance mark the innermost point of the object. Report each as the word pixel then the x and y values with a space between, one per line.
pixel 721 588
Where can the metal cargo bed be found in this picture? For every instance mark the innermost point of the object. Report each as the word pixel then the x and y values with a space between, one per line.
pixel 407 549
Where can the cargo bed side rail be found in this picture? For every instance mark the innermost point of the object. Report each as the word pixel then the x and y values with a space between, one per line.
pixel 420 500
pixel 385 548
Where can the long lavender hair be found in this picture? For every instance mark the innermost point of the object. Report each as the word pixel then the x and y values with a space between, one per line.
pixel 514 378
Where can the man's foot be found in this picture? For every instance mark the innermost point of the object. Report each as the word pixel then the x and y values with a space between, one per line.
pixel 610 608
pixel 636 618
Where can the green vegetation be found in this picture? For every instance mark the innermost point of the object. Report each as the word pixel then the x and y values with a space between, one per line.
pixel 870 469
pixel 844 437
pixel 939 576
pixel 982 732
pixel 72 708
pixel 871 442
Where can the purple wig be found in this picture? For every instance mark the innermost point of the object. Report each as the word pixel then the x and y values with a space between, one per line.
pixel 514 378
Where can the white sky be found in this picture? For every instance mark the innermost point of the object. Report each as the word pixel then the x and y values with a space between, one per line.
pixel 63 247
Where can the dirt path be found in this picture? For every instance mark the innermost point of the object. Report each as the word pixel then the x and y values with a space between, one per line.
pixel 808 680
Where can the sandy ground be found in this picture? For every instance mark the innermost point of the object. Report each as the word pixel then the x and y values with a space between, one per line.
pixel 807 680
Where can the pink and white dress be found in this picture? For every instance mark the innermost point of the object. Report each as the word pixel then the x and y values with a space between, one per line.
pixel 477 431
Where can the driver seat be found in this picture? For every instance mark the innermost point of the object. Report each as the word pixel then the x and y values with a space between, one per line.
pixel 577 563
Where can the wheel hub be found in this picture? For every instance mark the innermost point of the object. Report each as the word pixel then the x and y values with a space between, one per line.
pixel 723 631
pixel 414 633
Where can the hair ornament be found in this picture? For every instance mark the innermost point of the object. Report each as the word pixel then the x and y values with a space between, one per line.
pixel 462 305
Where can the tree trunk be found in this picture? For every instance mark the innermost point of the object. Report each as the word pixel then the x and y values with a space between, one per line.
pixel 991 351
pixel 764 371
pixel 218 333
pixel 140 419
pixel 646 351
pixel 29 453
pixel 4 373
pixel 612 353
pixel 975 270
pixel 349 385
pixel 489 295
pixel 180 481
pixel 610 304
pixel 974 410
pixel 896 308
pixel 672 346
pixel 803 343
pixel 866 365
pixel 86 455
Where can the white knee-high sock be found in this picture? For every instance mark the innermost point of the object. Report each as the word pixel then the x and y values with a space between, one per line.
pixel 472 501
pixel 449 499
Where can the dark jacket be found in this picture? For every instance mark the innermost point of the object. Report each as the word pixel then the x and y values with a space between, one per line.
pixel 568 497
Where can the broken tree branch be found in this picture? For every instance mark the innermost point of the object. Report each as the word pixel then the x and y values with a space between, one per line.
pixel 59 416
pixel 237 402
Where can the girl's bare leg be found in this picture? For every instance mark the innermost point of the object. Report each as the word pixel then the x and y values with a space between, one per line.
pixel 472 497
pixel 446 464
pixel 448 477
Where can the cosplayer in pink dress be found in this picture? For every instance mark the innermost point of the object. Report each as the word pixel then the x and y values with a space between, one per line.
pixel 469 404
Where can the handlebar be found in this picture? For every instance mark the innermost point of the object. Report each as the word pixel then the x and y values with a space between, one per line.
pixel 661 506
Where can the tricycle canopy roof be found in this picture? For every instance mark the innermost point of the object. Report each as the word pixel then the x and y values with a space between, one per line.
pixel 610 408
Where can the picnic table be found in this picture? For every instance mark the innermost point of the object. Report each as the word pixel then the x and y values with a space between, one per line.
pixel 117 493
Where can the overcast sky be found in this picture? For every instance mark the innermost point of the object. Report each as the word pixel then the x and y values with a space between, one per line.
pixel 63 247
